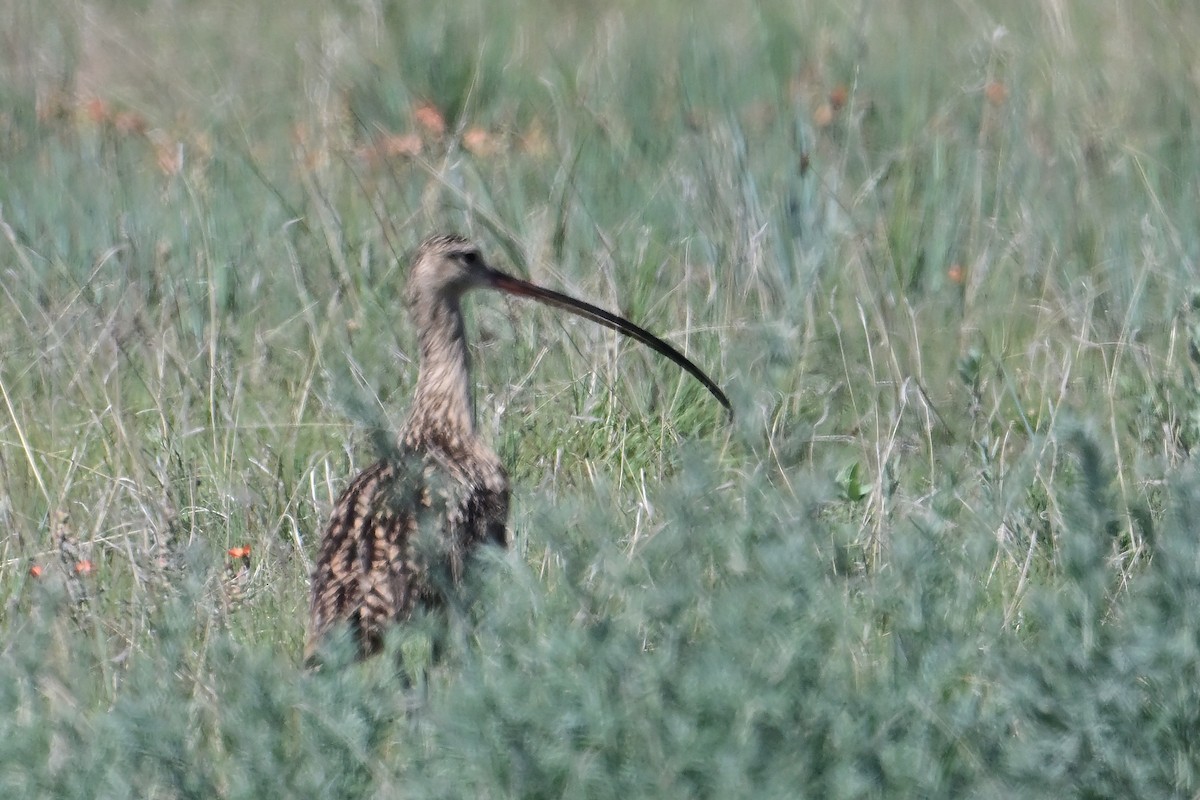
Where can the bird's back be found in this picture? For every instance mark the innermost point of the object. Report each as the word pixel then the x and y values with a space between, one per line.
pixel 400 535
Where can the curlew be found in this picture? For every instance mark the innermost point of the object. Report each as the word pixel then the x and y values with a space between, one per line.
pixel 401 532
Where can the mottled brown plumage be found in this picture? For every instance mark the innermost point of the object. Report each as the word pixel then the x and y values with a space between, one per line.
pixel 403 529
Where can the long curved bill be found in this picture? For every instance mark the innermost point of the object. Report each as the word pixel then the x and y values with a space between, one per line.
pixel 516 286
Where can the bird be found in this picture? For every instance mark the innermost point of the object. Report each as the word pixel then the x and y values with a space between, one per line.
pixel 401 533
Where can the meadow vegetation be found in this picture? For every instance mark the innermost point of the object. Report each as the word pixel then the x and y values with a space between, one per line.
pixel 943 257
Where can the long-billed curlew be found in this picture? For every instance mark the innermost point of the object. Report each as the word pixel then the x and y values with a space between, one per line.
pixel 402 530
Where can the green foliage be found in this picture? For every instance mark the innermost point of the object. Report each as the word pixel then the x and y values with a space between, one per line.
pixel 942 259
pixel 850 484
pixel 720 655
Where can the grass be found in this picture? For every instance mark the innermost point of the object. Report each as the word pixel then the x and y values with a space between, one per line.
pixel 942 258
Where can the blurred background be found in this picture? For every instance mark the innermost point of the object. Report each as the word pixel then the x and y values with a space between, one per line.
pixel 941 256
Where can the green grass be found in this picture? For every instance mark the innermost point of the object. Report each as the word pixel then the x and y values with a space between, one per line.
pixel 942 257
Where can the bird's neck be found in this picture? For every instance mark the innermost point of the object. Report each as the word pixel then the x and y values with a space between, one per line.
pixel 443 407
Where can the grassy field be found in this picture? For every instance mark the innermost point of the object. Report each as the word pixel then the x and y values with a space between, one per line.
pixel 943 257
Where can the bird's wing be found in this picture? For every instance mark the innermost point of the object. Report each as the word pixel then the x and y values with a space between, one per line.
pixel 472 486
pixel 399 536
pixel 365 567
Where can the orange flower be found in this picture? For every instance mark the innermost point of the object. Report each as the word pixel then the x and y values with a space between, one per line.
pixel 242 551
pixel 996 93
pixel 35 571
pixel 429 118
pixel 956 274
pixel 479 142
pixel 838 96
pixel 83 567
pixel 96 110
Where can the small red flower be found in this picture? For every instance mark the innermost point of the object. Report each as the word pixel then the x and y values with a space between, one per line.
pixel 35 571
pixel 84 567
pixel 838 97
pixel 242 551
pixel 96 110
pixel 429 118
pixel 479 142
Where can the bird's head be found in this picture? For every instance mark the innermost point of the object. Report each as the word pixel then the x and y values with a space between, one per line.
pixel 447 265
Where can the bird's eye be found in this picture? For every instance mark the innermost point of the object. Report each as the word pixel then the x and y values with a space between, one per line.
pixel 471 258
